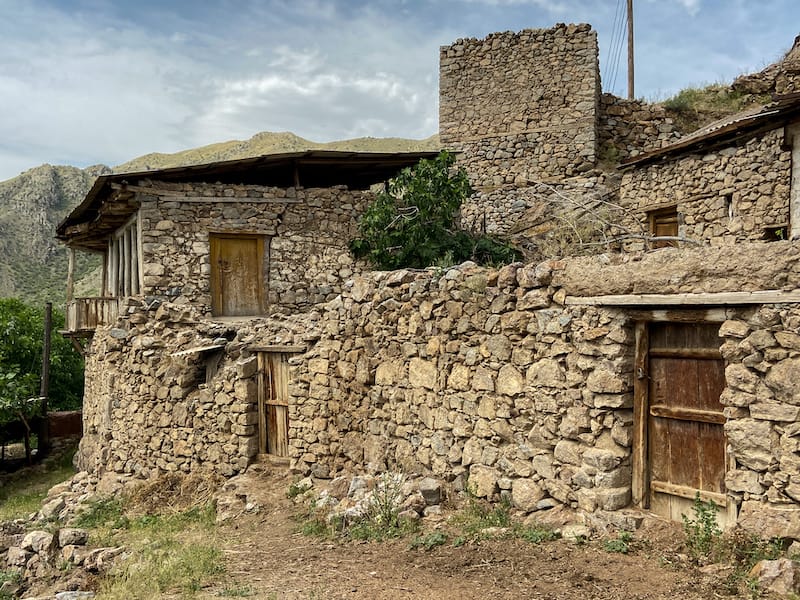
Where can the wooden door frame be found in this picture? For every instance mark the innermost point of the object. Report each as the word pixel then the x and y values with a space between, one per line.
pixel 262 357
pixel 640 481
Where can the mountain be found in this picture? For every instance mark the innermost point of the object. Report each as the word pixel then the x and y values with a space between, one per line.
pixel 34 265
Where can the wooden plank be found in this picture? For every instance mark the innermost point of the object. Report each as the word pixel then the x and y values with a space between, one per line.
pixel 710 298
pixel 640 410
pixel 262 402
pixel 686 414
pixel 231 199
pixel 695 353
pixel 139 251
pixel 682 491
pixel 278 348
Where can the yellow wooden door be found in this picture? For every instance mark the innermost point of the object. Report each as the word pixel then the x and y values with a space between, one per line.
pixel 237 275
pixel 273 403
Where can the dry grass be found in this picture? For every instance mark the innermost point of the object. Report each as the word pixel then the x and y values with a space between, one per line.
pixel 172 492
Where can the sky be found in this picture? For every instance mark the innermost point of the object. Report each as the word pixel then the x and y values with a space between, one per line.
pixel 84 82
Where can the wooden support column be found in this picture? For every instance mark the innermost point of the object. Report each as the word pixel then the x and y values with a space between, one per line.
pixel 70 274
pixel 640 410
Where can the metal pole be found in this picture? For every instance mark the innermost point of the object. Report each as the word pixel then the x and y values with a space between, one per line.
pixel 44 390
pixel 630 50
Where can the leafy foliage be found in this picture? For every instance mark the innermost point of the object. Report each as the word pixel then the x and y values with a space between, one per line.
pixel 412 223
pixel 21 333
pixel 703 534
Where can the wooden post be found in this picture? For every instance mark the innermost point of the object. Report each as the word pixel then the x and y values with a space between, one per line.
pixel 641 381
pixel 70 274
pixel 44 389
pixel 630 50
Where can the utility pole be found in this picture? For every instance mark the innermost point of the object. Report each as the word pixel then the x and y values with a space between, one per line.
pixel 630 50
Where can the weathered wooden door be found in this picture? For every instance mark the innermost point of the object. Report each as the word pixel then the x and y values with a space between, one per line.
pixel 237 275
pixel 273 403
pixel 683 419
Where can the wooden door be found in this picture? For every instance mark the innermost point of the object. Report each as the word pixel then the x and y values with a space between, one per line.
pixel 273 403
pixel 684 436
pixel 237 275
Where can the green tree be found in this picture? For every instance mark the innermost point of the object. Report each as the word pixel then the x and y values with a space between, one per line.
pixel 21 333
pixel 413 222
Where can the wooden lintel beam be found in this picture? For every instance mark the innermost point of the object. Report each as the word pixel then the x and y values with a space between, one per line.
pixel 699 299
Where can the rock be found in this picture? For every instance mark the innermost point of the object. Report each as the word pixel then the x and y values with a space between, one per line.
pixel 770 520
pixel 72 536
pixel 74 595
pixel 509 381
pixel 431 490
pixel 783 381
pixel 422 373
pixel 52 509
pixel 358 484
pixel 74 554
pixel 751 442
pixel 433 511
pixel 39 542
pixel 17 557
pixel 101 558
pixel 781 576
pixel 408 516
pixel 483 481
pixel 338 487
pixel 526 494
pixel 9 589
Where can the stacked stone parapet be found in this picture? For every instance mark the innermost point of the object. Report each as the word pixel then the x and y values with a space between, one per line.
pixel 521 106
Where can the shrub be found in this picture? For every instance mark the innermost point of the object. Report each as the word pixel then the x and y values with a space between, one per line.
pixel 413 222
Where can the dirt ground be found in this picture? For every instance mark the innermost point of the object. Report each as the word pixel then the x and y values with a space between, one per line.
pixel 267 557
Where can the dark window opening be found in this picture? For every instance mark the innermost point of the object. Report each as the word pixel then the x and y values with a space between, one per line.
pixel 776 233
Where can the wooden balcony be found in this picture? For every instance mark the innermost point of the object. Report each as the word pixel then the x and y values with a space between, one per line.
pixel 84 315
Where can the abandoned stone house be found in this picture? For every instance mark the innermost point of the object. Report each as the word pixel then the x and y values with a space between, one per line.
pixel 638 377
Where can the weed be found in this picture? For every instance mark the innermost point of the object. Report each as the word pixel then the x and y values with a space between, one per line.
pixel 536 535
pixel 383 506
pixel 106 512
pixel 10 576
pixel 429 541
pixel 296 489
pixel 239 591
pixel 621 544
pixel 702 531
pixel 478 515
pixel 315 527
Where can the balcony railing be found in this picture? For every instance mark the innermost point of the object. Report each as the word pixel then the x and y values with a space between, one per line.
pixel 84 315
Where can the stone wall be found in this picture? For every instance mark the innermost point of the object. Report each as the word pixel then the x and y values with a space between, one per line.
pixel 521 105
pixel 629 127
pixel 724 196
pixel 308 229
pixel 485 375
pixel 762 351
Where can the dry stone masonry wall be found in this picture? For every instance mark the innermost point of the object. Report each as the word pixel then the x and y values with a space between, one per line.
pixel 521 105
pixel 308 231
pixel 722 197
pixel 630 127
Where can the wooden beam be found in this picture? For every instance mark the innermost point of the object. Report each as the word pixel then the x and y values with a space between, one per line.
pixel 230 199
pixel 640 413
pixel 699 299
pixel 70 274
pixel 687 414
pixel 681 315
pixel 689 493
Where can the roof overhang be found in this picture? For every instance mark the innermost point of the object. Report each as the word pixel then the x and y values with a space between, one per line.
pixel 106 206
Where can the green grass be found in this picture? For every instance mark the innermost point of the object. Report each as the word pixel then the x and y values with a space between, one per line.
pixel 175 553
pixel 22 495
pixel 478 515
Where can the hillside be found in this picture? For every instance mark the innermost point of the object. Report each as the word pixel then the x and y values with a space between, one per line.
pixel 34 266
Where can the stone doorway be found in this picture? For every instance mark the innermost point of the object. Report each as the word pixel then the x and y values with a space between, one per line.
pixel 273 400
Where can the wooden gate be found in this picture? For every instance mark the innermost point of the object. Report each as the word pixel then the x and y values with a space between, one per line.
pixel 679 419
pixel 237 274
pixel 273 403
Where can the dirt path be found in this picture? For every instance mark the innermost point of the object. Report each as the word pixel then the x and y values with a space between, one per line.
pixel 267 557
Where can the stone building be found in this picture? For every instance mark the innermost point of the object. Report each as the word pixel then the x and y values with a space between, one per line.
pixel 636 378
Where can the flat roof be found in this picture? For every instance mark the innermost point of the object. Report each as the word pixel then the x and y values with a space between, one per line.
pixel 309 169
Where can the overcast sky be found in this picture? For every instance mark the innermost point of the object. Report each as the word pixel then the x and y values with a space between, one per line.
pixel 102 81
